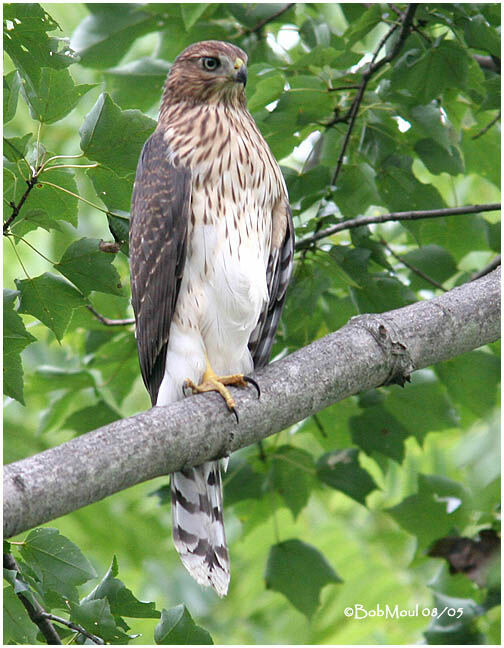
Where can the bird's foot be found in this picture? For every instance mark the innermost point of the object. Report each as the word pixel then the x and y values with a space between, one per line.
pixel 212 382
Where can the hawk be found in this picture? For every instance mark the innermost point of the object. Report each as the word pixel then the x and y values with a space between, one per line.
pixel 211 255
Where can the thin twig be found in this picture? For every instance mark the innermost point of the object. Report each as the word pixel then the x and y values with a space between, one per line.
pixel 394 216
pixel 413 268
pixel 111 322
pixel 495 263
pixel 374 66
pixel 73 626
pixel 17 208
pixel 487 127
pixel 262 23
pixel 35 611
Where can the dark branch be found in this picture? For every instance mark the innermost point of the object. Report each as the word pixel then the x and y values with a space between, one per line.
pixel 374 66
pixel 17 208
pixel 262 23
pixel 35 611
pixel 394 216
pixel 488 268
pixel 487 127
pixel 371 350
pixel 413 268
pixel 73 626
pixel 111 322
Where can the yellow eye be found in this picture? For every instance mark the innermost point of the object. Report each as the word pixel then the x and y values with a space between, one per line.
pixel 211 63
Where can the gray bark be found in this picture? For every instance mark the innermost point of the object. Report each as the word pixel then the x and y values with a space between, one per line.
pixel 369 351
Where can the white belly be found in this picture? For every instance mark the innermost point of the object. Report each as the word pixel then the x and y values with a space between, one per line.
pixel 222 294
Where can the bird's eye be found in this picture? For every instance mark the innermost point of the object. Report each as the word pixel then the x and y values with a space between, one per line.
pixel 211 63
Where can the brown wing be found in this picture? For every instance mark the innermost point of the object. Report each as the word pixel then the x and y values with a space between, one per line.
pixel 278 275
pixel 158 232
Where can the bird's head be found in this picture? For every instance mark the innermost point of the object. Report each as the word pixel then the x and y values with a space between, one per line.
pixel 208 72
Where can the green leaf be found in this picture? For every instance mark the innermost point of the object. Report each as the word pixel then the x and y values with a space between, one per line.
pixel 439 506
pixel 88 268
pixel 54 96
pixel 45 202
pixel 400 189
pixel 104 37
pixel 117 361
pixel 426 75
pixel 291 475
pixel 91 418
pixel 50 299
pixel 115 137
pixel 138 84
pixel 376 430
pixel 115 191
pixel 58 563
pixel 177 628
pixel 356 190
pixel 438 159
pixel 341 470
pixel 241 482
pixel 95 616
pixel 17 625
pixel 299 572
pixel 16 338
pixel 360 28
pixel 421 407
pixel 268 88
pixel 192 12
pixel 15 147
pixel 434 260
pixel 472 381
pixel 11 85
pixel 48 378
pixel 121 600
pixel 480 35
pixel 27 43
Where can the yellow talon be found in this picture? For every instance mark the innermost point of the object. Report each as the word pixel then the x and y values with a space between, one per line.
pixel 212 382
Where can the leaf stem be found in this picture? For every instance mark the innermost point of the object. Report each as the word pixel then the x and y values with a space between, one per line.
pixel 71 193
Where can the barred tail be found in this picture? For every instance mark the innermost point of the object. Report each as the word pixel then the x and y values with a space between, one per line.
pixel 198 525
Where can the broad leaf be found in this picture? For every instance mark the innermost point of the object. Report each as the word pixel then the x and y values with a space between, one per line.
pixel 88 268
pixel 439 506
pixel 50 299
pixel 290 475
pixel 115 137
pixel 57 562
pixel 299 572
pixel 177 628
pixel 16 338
pixel 121 600
pixel 95 617
pixel 341 470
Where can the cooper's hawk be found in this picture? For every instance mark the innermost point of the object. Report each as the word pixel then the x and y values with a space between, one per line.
pixel 211 247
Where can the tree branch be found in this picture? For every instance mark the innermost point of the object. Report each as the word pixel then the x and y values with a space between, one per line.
pixel 111 322
pixel 73 626
pixel 262 23
pixel 371 350
pixel 394 216
pixel 17 208
pixel 35 611
pixel 407 20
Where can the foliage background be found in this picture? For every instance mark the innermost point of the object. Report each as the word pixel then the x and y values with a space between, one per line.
pixel 419 142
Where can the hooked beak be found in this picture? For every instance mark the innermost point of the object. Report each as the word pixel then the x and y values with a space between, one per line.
pixel 241 72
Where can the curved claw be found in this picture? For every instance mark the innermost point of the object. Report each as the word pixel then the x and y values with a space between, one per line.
pixel 253 382
pixel 236 414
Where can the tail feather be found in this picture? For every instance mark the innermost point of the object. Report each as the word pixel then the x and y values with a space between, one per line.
pixel 198 526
